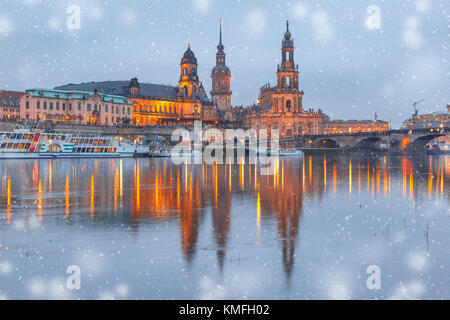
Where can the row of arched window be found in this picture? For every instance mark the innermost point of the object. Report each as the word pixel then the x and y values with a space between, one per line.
pixel 168 109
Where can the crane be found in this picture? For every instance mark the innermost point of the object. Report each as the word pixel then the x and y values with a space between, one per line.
pixel 415 105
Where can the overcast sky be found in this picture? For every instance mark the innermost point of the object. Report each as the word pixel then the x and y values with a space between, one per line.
pixel 350 66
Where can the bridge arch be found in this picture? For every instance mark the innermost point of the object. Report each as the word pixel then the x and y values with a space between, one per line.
pixel 368 143
pixel 418 145
pixel 326 143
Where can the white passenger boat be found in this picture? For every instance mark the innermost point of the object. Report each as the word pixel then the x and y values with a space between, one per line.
pixel 28 144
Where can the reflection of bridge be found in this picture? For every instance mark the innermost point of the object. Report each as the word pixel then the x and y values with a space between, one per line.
pixel 394 141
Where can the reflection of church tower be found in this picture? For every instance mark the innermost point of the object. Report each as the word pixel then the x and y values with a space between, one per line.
pixel 221 77
pixel 221 223
pixel 189 224
pixel 288 74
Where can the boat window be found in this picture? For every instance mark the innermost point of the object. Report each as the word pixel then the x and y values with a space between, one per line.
pixel 9 146
pixel 19 136
pixel 31 137
pixel 28 146
pixel 21 146
pixel 53 137
pixel 83 150
pixel 4 145
pixel 16 146
pixel 38 148
pixel 13 136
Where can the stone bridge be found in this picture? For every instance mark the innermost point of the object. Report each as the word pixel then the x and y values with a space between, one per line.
pixel 394 141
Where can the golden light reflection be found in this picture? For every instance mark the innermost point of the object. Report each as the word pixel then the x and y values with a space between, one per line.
pixel 303 173
pixel 92 195
pixel 404 171
pixel 437 181
pixel 334 178
pixel 156 190
pixel 40 199
pixel 378 178
pixel 325 173
pixel 430 179
pixel 67 193
pixel 121 182
pixel 8 201
pixel 50 176
pixel 350 178
pixel 116 189
pixel 241 174
pixel 310 170
pixel 359 178
pixel 178 189
pixel 8 192
pixel 138 186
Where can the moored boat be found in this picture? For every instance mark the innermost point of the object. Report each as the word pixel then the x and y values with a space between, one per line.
pixel 28 144
pixel 439 147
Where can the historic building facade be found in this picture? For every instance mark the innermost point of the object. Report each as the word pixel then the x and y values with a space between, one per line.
pixel 221 79
pixel 10 105
pixel 281 107
pixel 431 120
pixel 78 107
pixel 355 126
pixel 155 104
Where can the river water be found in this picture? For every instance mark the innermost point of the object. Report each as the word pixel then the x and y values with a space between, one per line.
pixel 150 229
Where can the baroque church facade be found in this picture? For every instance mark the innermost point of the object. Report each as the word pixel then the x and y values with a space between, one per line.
pixel 155 104
pixel 281 107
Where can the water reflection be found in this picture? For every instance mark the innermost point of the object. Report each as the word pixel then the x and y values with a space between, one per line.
pixel 134 192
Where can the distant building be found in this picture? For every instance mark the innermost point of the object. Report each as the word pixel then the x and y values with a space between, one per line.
pixel 431 120
pixel 355 126
pixel 281 107
pixel 155 104
pixel 10 102
pixel 80 107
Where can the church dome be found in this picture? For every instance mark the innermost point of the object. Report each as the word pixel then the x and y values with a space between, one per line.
pixel 189 57
pixel 221 70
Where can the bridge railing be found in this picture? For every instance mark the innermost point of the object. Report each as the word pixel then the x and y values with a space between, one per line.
pixel 433 131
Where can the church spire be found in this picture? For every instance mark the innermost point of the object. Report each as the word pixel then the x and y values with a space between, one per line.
pixel 220 47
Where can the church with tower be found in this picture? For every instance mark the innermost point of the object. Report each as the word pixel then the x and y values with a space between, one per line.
pixel 184 104
pixel 281 107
